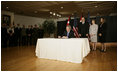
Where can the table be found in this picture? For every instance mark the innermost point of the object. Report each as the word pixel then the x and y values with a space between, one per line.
pixel 70 50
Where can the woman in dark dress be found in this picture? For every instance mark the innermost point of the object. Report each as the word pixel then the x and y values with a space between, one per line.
pixel 102 34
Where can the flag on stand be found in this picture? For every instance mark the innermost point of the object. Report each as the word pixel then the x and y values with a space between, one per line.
pixel 75 27
pixel 68 22
pixel 89 21
pixel 88 18
pixel 81 17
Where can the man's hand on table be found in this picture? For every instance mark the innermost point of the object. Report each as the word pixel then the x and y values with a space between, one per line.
pixel 65 37
pixel 59 36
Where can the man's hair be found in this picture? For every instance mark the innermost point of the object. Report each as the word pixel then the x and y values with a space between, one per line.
pixel 103 19
pixel 69 26
pixel 83 17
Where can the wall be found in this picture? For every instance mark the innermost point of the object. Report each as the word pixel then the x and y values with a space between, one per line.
pixel 27 20
pixel 23 20
pixel 8 13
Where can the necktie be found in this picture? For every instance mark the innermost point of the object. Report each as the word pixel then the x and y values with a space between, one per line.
pixel 67 34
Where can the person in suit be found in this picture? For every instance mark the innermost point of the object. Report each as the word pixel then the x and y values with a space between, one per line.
pixel 35 34
pixel 17 35
pixel 68 33
pixel 41 32
pixel 4 35
pixel 23 35
pixel 32 30
pixel 93 34
pixel 29 35
pixel 83 28
pixel 102 34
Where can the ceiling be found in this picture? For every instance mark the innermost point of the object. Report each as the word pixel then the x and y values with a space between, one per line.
pixel 62 8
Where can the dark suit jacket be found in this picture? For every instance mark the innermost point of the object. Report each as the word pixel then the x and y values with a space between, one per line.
pixel 103 30
pixel 71 34
pixel 17 31
pixel 29 31
pixel 83 29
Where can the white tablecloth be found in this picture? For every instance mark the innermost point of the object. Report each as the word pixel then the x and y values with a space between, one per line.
pixel 70 50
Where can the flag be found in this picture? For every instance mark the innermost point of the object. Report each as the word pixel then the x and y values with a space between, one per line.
pixel 89 21
pixel 88 18
pixel 75 27
pixel 81 17
pixel 68 22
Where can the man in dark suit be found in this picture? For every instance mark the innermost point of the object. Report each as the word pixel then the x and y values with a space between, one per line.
pixel 4 36
pixel 29 35
pixel 17 35
pixel 83 28
pixel 68 33
pixel 35 34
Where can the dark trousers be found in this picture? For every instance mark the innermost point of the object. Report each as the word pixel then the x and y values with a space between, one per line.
pixel 35 40
pixel 17 40
pixel 11 41
pixel 4 42
pixel 23 40
pixel 29 40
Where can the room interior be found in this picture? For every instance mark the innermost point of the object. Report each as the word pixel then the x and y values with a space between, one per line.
pixel 23 58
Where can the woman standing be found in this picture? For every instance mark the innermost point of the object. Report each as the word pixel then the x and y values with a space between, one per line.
pixel 102 34
pixel 93 34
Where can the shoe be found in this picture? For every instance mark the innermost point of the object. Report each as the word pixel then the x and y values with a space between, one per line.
pixel 104 51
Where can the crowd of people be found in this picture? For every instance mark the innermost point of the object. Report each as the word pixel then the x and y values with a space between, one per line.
pixel 17 36
pixel 20 36
pixel 94 32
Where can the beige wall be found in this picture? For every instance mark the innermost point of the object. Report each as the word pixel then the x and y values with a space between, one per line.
pixel 23 20
pixel 27 20
pixel 8 13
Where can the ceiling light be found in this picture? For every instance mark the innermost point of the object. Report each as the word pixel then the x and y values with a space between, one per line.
pixel 96 6
pixel 57 14
pixel 50 12
pixel 62 7
pixel 54 14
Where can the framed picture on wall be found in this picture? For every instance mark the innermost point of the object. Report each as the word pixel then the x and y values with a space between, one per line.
pixel 6 19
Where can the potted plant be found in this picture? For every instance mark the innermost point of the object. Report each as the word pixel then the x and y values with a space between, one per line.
pixel 49 27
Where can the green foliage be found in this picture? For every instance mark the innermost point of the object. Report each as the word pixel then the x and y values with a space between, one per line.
pixel 49 26
pixel 39 25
